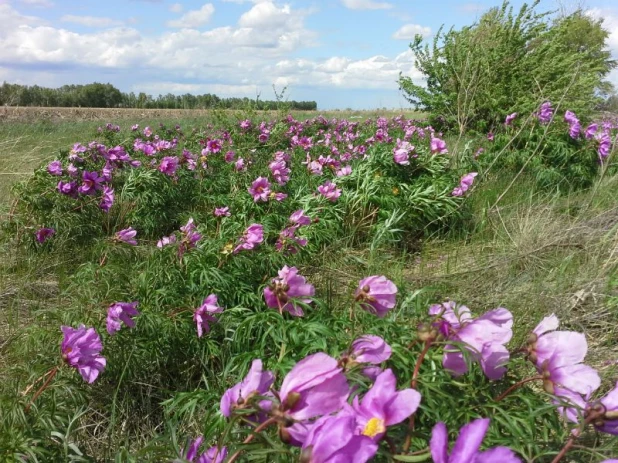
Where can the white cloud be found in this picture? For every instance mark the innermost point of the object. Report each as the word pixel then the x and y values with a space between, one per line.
pixel 41 3
pixel 239 59
pixel 366 5
pixel 408 31
pixel 194 18
pixel 11 18
pixel 176 8
pixel 91 21
pixel 377 72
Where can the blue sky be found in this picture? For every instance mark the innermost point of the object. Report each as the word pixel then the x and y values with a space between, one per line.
pixel 340 53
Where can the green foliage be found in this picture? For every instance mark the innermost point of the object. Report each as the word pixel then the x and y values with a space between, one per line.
pixel 508 63
pixel 162 384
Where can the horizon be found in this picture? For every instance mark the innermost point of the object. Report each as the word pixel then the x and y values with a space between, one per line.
pixel 237 48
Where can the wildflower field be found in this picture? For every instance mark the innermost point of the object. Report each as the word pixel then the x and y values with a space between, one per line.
pixel 251 287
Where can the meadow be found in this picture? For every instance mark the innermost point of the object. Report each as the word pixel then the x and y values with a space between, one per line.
pixel 246 286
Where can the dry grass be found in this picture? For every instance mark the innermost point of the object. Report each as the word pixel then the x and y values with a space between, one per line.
pixel 37 114
pixel 536 256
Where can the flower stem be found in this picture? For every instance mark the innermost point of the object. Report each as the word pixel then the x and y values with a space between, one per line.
pixel 575 434
pixel 419 361
pixel 50 375
pixel 517 386
pixel 250 437
pixel 413 384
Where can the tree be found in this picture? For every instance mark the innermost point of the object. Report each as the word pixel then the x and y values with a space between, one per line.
pixel 509 63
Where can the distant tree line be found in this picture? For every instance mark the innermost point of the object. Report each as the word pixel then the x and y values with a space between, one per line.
pixel 97 95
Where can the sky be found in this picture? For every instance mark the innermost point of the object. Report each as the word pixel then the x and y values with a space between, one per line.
pixel 340 53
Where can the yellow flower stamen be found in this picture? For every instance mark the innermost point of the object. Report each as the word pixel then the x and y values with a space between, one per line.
pixel 374 427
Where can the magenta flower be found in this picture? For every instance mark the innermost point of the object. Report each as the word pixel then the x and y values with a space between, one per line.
pixel 438 146
pixel 121 312
pixel 402 151
pixel 464 184
pixel 605 144
pixel 204 314
pixel 246 124
pixel 344 171
pixel 260 189
pixel 253 236
pixel 72 170
pixel 332 439
pixel 376 294
pixel 509 119
pixel 283 290
pixel 383 406
pixel 43 234
pixel 239 164
pixel 147 131
pixel 288 241
pixel 213 455
pixel 466 448
pixel 545 113
pixel 168 165
pixel 55 168
pixel 91 182
pixel 370 349
pixel 256 383
pixel 166 240
pixel 127 235
pixel 299 218
pixel 570 118
pixel 222 211
pixel 107 199
pixel 68 188
pixel 81 349
pixel 134 127
pixel 194 448
pixel 330 191
pixel 483 338
pixel 591 130
pixel 608 405
pixel 558 356
pixel 213 146
pixel 315 386
pixel 280 171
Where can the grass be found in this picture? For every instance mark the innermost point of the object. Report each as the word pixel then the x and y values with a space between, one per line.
pixel 533 252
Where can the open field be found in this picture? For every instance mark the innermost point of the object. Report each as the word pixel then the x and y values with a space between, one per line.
pixel 507 242
pixel 38 114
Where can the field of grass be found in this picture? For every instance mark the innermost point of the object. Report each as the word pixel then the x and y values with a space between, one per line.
pixel 529 249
